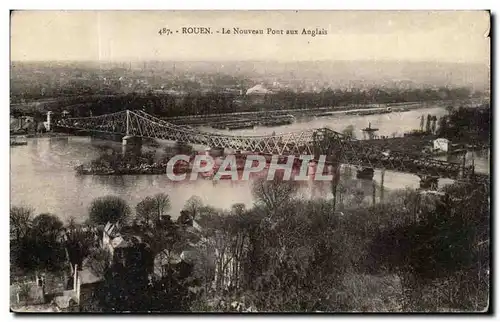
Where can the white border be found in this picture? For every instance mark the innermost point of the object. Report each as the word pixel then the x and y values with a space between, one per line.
pixel 253 5
pixel 185 4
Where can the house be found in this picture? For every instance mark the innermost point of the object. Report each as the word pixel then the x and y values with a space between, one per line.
pixel 163 261
pixel 257 94
pixel 26 293
pixel 110 232
pixel 22 124
pixel 194 260
pixel 258 90
pixel 441 144
pixel 88 283
pixel 45 297
pixel 83 291
pixel 196 253
pixel 127 249
pixel 39 290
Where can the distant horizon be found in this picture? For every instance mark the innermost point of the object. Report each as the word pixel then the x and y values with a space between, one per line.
pixel 340 72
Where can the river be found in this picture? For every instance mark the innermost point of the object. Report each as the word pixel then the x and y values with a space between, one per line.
pixel 43 176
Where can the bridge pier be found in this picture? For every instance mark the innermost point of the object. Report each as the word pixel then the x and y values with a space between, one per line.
pixel 365 174
pixel 130 142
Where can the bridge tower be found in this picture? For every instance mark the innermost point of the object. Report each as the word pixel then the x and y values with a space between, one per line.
pixel 129 139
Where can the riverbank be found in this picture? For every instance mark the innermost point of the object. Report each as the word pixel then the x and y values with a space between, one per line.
pixel 22 139
pixel 40 135
pixel 352 109
pixel 142 169
pixel 247 120
pixel 116 163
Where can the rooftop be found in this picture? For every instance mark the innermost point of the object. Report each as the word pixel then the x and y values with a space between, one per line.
pixel 89 277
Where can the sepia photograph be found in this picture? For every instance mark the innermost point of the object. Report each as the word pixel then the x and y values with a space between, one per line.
pixel 250 161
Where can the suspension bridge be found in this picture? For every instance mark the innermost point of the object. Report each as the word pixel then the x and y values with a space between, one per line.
pixel 338 148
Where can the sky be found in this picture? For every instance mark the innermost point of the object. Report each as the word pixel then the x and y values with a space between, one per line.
pixel 445 36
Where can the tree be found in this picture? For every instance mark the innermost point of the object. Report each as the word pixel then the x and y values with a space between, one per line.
pixel 44 245
pixel 48 226
pixel 152 209
pixel 20 222
pixel 428 124
pixel 161 204
pixel 21 248
pixel 448 236
pixel 274 194
pixel 108 209
pixel 443 127
pixel 78 241
pixel 71 222
pixel 433 125
pixel 145 211
pixel 193 205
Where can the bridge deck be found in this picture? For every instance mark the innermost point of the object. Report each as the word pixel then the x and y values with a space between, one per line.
pixel 316 142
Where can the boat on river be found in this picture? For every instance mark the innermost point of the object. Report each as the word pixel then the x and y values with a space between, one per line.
pixel 369 129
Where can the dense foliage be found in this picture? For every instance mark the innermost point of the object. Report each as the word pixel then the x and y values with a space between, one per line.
pixel 310 258
pixel 473 124
pixel 413 252
pixel 35 243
